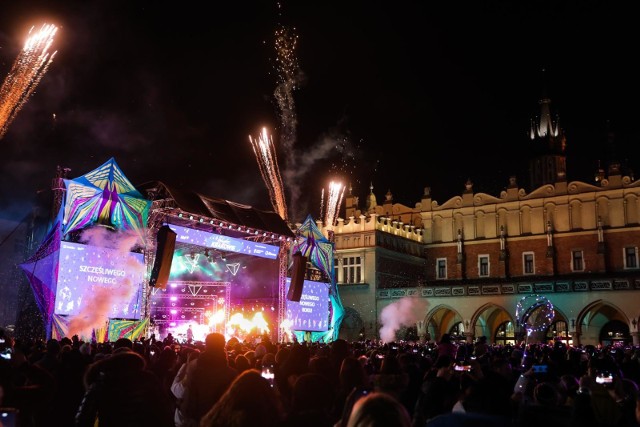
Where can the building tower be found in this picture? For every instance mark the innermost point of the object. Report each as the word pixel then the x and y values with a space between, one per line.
pixel 548 163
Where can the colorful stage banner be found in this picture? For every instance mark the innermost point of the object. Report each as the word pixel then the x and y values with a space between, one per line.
pixel 60 329
pixel 132 329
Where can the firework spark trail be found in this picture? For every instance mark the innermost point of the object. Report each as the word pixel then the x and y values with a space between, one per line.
pixel 289 77
pixel 25 74
pixel 334 199
pixel 288 74
pixel 264 150
pixel 322 203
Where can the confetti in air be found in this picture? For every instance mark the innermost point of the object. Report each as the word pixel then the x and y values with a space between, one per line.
pixel 25 74
pixel 334 200
pixel 265 153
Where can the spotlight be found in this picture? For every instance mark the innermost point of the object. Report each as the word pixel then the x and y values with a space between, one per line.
pixel 222 224
pixel 211 222
pixel 201 220
pixel 180 215
pixel 190 216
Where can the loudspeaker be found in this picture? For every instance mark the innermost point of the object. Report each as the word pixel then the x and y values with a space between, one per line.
pixel 298 271
pixel 166 244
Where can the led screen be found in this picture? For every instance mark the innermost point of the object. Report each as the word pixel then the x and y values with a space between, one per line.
pixel 97 278
pixel 312 312
pixel 223 243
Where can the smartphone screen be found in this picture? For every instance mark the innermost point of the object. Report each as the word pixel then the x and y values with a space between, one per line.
pixel 540 369
pixel 462 368
pixel 268 374
pixel 8 417
pixel 604 378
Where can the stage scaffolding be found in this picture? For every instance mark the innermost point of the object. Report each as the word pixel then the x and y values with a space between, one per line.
pixel 164 210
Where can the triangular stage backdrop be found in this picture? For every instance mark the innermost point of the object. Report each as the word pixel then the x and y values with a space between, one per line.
pixel 311 243
pixel 103 196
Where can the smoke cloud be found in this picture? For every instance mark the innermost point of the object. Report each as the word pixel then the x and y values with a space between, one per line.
pixel 405 312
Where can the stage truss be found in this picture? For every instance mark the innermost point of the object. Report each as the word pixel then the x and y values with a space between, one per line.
pixel 165 211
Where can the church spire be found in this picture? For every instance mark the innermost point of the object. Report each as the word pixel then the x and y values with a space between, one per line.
pixel 548 164
pixel 371 200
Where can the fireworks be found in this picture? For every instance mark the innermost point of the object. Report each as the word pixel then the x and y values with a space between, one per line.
pixel 264 150
pixel 25 74
pixel 288 75
pixel 287 70
pixel 334 199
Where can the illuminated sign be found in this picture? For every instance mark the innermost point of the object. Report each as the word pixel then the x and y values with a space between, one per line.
pixel 223 243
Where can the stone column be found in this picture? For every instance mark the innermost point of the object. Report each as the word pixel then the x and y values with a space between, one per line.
pixel 575 335
pixel 469 337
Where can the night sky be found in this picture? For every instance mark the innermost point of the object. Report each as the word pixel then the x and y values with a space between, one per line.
pixel 399 94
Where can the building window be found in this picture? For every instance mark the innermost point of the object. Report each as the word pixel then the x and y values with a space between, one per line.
pixel 336 269
pixel 483 265
pixel 351 270
pixel 441 268
pixel 577 263
pixel 527 263
pixel 630 257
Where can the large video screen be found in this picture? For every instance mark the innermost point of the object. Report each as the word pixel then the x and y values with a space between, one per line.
pixel 223 243
pixel 311 313
pixel 98 278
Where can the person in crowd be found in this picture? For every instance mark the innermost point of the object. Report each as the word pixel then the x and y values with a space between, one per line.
pixel 478 407
pixel 189 335
pixel 446 347
pixel 69 386
pixel 378 410
pixel 296 364
pixel 545 409
pixel 25 386
pixel 249 401
pixel 481 347
pixel 206 379
pixel 409 365
pixel 311 403
pixel 177 386
pixel 439 392
pixel 352 376
pixel 390 379
pixel 241 363
pixel 50 361
pixel 120 391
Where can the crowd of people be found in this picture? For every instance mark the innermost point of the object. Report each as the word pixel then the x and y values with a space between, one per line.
pixel 229 383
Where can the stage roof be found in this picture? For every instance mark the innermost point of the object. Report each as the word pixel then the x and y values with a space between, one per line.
pixel 200 205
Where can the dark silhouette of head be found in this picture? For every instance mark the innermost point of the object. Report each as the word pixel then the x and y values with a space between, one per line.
pixel 379 410
pixel 215 342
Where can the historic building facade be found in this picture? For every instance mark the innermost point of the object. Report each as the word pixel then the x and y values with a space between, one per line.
pixel 558 262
